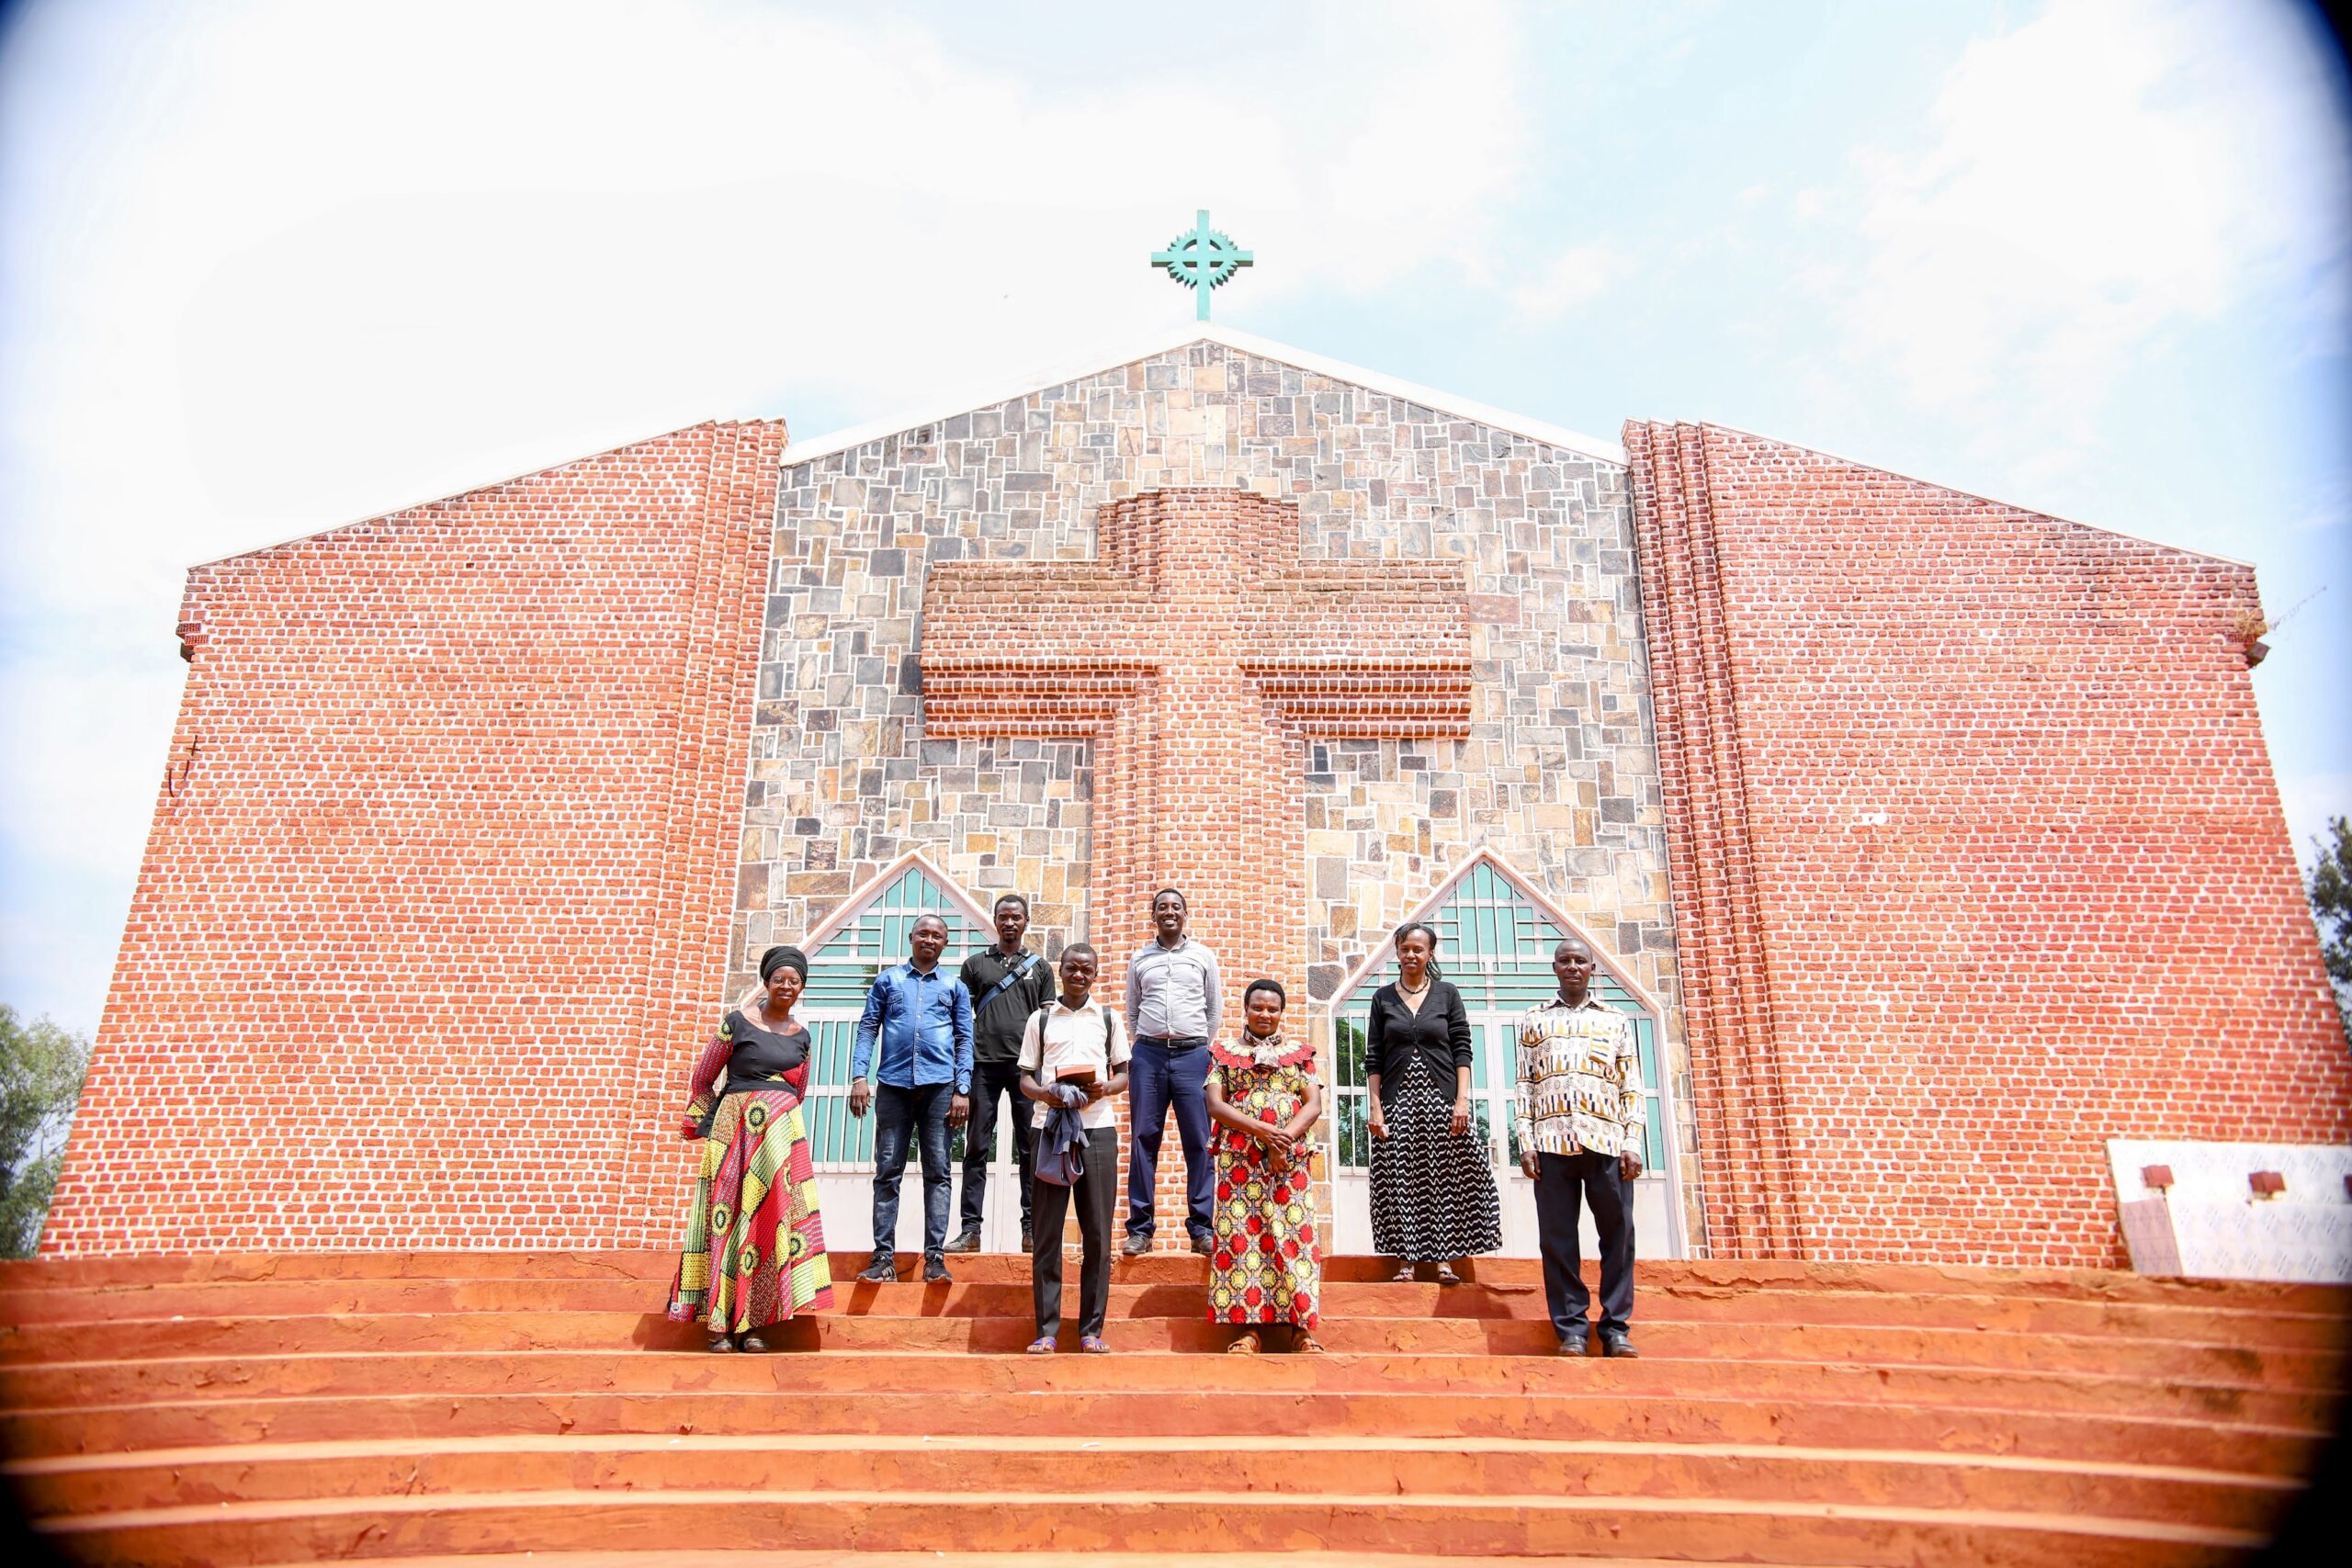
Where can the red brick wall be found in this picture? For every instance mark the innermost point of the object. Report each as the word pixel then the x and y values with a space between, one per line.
pixel 436 896
pixel 1977 858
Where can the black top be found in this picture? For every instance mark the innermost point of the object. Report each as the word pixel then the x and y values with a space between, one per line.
pixel 1438 1034
pixel 759 1055
pixel 997 1022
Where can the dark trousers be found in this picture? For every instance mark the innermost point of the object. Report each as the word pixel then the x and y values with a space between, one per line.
pixel 899 1114
pixel 1165 1074
pixel 1561 1182
pixel 991 1080
pixel 1097 1193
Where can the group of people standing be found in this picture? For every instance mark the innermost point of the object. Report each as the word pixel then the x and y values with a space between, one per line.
pixel 1011 1035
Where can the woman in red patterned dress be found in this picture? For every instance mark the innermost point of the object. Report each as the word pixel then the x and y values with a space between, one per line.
pixel 1265 1266
pixel 755 1244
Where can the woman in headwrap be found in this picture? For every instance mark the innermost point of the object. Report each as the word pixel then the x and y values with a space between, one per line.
pixel 755 1246
pixel 1264 1266
pixel 1434 1198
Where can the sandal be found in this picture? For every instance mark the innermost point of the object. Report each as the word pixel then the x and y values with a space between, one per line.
pixel 721 1344
pixel 1303 1344
pixel 1446 1276
pixel 752 1343
pixel 1246 1345
pixel 1043 1345
pixel 1404 1275
pixel 1094 1345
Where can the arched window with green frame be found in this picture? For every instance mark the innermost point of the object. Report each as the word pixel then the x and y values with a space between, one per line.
pixel 1495 943
pixel 846 950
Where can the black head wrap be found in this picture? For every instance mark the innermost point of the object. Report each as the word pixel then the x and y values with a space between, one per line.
pixel 1256 986
pixel 776 958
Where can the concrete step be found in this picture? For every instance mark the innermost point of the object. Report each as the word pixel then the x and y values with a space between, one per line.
pixel 701 1558
pixel 1142 1325
pixel 151 1380
pixel 852 1350
pixel 1196 1467
pixel 1142 1405
pixel 2105 1286
pixel 975 1298
pixel 1078 1520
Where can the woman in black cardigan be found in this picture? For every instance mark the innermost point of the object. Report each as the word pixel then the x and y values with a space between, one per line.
pixel 1432 1187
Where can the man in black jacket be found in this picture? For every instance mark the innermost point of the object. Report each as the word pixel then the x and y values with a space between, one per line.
pixel 1008 983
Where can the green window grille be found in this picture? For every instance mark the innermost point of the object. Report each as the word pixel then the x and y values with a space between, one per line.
pixel 1495 944
pixel 840 974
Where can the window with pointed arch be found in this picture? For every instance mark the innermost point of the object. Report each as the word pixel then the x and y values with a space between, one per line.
pixel 1495 943
pixel 852 947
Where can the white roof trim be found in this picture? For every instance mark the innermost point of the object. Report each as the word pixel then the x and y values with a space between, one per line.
pixel 873 887
pixel 799 452
pixel 1972 494
pixel 1485 855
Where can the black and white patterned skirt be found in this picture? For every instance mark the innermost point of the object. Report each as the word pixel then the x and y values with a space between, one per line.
pixel 1432 1193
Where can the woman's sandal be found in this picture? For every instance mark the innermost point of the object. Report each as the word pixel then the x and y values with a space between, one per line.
pixel 1246 1345
pixel 753 1343
pixel 1446 1276
pixel 720 1342
pixel 1094 1345
pixel 1405 1275
pixel 1303 1344
pixel 1043 1345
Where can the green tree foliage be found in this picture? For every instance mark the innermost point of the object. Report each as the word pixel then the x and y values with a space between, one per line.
pixel 2331 892
pixel 40 1079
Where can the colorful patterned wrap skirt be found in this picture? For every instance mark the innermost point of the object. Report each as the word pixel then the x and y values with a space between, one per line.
pixel 755 1244
pixel 1265 1266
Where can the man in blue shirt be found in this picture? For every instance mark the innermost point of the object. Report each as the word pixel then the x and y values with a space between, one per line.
pixel 922 1022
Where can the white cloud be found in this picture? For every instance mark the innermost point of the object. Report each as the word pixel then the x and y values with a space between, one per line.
pixel 2100 175
pixel 2311 800
pixel 269 268
pixel 1575 277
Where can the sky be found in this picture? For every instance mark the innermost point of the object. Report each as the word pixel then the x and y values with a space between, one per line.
pixel 269 267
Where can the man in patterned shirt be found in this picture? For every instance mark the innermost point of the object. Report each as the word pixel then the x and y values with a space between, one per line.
pixel 1580 1118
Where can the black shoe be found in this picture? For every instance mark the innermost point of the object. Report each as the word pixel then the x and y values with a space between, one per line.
pixel 881 1271
pixel 1615 1342
pixel 1028 1241
pixel 935 1272
pixel 1138 1243
pixel 1203 1246
pixel 1574 1344
pixel 969 1242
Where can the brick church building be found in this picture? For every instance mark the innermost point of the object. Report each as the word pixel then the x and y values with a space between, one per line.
pixel 1931 841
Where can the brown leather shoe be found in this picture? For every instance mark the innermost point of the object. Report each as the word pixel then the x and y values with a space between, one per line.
pixel 967 1242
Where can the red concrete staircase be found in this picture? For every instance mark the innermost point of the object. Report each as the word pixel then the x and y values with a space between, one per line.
pixel 259 1409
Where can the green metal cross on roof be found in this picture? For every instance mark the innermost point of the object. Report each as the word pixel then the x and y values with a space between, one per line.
pixel 1200 261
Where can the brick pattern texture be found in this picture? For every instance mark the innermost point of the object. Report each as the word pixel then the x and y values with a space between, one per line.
pixel 438 888
pixel 1977 855
pixel 1298 645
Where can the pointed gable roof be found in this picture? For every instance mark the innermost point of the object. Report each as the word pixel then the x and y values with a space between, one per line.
pixel 802 452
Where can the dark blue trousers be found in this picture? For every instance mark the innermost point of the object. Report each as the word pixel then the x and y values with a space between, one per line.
pixel 1563 1182
pixel 901 1115
pixel 1165 1074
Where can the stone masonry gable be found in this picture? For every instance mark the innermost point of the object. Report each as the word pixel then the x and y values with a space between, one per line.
pixel 1556 770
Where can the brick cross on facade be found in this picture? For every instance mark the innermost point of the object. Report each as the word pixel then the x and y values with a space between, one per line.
pixel 1198 651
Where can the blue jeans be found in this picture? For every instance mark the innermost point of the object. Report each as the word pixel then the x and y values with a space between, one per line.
pixel 896 1112
pixel 1164 1076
